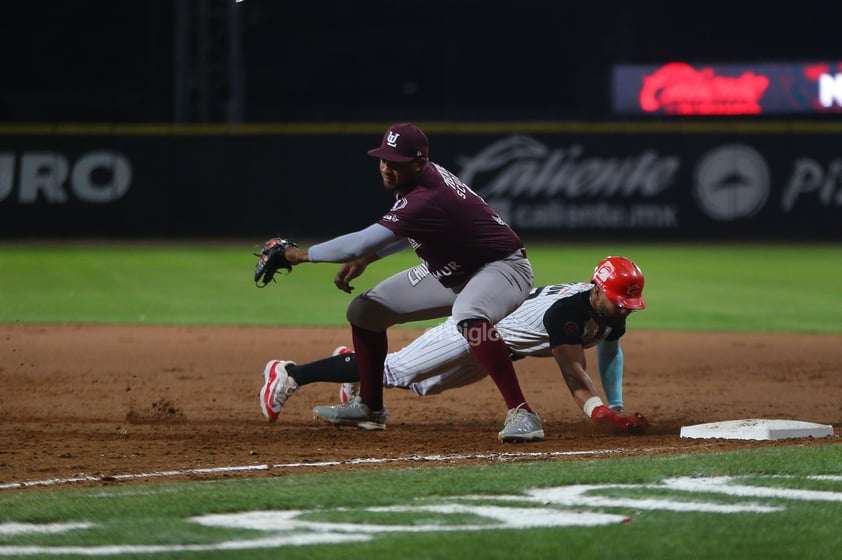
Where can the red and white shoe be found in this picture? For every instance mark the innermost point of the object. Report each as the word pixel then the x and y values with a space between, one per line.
pixel 342 350
pixel 347 391
pixel 277 387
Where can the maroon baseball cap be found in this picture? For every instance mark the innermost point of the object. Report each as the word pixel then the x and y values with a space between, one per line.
pixel 402 142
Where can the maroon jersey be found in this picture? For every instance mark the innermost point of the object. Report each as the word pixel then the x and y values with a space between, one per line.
pixel 450 227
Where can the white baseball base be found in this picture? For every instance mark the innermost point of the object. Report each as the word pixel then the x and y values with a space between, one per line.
pixel 756 428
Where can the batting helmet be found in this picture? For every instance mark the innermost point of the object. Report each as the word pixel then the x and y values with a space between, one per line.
pixel 622 282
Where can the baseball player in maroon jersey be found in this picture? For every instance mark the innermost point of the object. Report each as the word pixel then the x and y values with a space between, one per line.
pixel 475 269
pixel 560 320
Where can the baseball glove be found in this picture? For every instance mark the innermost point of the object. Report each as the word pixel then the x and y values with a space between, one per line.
pixel 271 259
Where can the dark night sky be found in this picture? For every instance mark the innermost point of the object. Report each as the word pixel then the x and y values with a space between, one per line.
pixel 112 60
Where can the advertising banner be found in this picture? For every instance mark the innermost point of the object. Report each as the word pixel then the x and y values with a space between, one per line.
pixel 740 181
pixel 683 89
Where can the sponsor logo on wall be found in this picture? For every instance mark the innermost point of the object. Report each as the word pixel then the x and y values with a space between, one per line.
pixel 535 186
pixel 96 177
pixel 731 182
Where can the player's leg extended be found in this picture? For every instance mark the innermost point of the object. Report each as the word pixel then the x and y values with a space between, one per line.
pixel 436 361
pixel 401 298
pixel 494 292
pixel 336 369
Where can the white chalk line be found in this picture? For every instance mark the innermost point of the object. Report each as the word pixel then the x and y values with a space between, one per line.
pixel 508 456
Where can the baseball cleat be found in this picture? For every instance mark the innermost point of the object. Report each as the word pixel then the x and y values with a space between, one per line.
pixel 277 387
pixel 521 425
pixel 347 391
pixel 353 413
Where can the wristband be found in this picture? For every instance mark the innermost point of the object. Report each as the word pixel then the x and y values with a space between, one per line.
pixel 591 404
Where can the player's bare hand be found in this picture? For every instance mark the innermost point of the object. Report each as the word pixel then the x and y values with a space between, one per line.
pixel 347 272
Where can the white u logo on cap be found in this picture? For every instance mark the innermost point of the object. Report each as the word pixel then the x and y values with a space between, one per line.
pixel 392 139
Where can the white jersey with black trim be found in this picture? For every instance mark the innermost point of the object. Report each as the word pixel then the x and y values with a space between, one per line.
pixel 524 330
pixel 440 359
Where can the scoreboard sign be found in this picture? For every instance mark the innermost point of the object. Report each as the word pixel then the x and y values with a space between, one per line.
pixel 684 89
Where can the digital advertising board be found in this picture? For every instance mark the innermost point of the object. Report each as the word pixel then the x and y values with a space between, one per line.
pixel 685 89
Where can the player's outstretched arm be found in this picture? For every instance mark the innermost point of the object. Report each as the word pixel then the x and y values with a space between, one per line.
pixel 571 361
pixel 345 248
pixel 355 250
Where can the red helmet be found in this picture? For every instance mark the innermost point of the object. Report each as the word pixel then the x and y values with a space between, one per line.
pixel 622 282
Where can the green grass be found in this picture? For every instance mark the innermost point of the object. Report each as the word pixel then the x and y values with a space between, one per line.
pixel 161 514
pixel 787 288
pixel 784 288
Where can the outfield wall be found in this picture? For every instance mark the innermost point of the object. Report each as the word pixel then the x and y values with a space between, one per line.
pixel 564 180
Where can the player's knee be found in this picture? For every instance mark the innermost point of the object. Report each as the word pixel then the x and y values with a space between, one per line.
pixel 358 311
pixel 465 324
pixel 477 331
pixel 467 328
pixel 368 314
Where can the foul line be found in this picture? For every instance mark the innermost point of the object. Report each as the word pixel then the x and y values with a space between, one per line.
pixel 252 468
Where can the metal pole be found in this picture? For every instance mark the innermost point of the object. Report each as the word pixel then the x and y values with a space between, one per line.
pixel 205 90
pixel 181 63
pixel 236 88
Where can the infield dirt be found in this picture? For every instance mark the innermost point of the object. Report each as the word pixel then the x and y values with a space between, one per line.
pixel 109 400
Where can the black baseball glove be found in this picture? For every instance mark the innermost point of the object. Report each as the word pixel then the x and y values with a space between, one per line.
pixel 271 259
